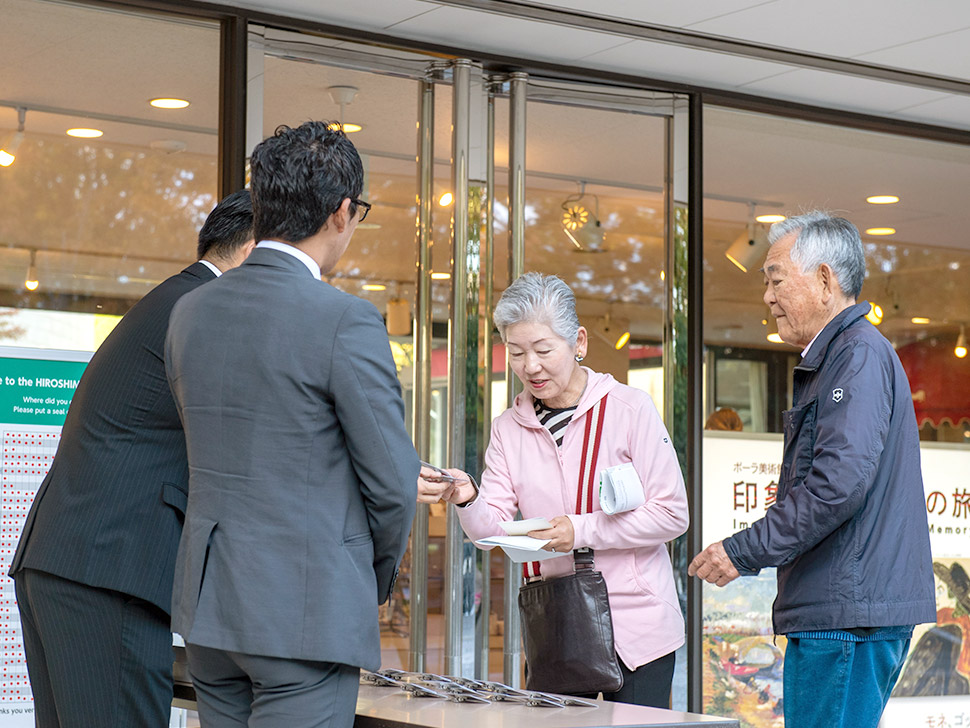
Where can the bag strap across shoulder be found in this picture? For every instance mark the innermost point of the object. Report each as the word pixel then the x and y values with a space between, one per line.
pixel 586 486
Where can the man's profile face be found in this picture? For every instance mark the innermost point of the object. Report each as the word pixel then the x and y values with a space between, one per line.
pixel 795 298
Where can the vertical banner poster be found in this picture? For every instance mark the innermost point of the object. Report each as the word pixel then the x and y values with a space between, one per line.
pixel 743 661
pixel 36 387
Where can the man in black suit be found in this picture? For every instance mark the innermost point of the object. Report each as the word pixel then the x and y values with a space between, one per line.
pixel 94 567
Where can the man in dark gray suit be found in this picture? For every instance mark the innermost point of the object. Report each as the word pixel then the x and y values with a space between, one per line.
pixel 303 479
pixel 93 570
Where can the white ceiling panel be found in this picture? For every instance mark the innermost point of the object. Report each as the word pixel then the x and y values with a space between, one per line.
pixel 945 55
pixel 674 63
pixel 511 36
pixel 364 14
pixel 841 91
pixel 675 13
pixel 840 28
pixel 950 110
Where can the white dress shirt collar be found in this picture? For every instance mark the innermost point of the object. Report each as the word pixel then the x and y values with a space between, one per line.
pixel 805 350
pixel 309 262
pixel 212 267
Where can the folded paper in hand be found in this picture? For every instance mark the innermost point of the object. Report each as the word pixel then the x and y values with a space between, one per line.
pixel 620 489
pixel 517 545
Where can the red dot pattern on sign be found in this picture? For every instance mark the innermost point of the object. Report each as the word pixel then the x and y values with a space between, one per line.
pixel 27 457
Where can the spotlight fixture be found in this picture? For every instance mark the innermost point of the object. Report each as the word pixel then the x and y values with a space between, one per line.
pixel 960 350
pixel 9 151
pixel 446 199
pixel 344 96
pixel 875 314
pixel 31 281
pixel 750 247
pixel 582 225
pixel 611 332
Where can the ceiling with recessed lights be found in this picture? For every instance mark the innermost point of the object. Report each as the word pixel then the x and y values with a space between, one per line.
pixel 76 67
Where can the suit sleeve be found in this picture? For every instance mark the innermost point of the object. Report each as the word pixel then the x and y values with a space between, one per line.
pixel 368 403
pixel 664 514
pixel 850 435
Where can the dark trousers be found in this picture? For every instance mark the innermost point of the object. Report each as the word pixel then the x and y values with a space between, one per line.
pixel 648 685
pixel 95 657
pixel 236 690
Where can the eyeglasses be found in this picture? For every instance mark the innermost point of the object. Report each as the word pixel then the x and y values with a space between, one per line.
pixel 363 205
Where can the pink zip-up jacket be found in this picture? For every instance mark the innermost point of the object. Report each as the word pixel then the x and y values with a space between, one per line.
pixel 524 470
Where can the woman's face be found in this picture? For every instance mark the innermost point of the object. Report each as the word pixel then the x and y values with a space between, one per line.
pixel 545 362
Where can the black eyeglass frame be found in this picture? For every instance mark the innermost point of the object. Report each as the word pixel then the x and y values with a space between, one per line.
pixel 361 203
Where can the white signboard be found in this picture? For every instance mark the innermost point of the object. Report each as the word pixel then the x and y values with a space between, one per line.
pixel 740 483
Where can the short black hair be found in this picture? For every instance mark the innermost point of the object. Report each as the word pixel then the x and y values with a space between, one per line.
pixel 228 227
pixel 300 177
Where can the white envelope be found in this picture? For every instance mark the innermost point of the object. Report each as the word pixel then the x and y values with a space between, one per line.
pixel 520 548
pixel 521 528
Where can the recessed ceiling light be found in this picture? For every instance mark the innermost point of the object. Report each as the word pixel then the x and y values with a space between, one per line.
pixel 881 231
pixel 775 339
pixel 169 103
pixel 440 276
pixel 446 199
pixel 920 320
pixel 770 218
pixel 374 287
pixel 882 200
pixel 84 133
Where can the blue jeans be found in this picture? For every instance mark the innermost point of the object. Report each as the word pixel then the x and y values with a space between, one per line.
pixel 832 683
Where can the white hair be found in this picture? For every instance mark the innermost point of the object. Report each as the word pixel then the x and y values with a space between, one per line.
pixel 535 298
pixel 824 238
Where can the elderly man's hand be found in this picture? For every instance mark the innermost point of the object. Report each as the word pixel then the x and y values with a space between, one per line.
pixel 713 566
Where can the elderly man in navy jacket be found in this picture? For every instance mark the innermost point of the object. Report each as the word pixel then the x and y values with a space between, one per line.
pixel 848 532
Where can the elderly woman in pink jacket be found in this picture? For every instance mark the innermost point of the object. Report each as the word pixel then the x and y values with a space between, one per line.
pixel 532 465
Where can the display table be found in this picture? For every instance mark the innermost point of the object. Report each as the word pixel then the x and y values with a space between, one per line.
pixel 388 708
pixel 382 707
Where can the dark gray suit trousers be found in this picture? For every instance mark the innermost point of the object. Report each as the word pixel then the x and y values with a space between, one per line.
pixel 235 690
pixel 111 657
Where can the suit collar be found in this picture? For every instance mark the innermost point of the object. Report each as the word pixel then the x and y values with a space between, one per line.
pixel 277 259
pixel 199 270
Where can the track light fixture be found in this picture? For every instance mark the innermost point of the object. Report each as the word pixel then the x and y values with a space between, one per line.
pixel 31 281
pixel 9 152
pixel 750 247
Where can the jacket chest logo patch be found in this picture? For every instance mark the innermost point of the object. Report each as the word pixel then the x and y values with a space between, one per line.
pixel 837 394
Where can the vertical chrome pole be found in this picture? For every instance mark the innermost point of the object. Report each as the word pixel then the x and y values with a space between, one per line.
pixel 485 338
pixel 457 334
pixel 518 90
pixel 422 371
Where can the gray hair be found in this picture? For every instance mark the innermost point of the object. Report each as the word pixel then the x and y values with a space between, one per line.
pixel 824 238
pixel 535 298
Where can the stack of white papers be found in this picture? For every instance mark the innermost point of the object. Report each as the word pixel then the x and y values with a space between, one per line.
pixel 517 545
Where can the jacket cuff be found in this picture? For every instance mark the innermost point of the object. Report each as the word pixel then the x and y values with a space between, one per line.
pixel 580 535
pixel 732 548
